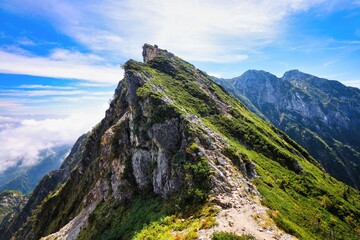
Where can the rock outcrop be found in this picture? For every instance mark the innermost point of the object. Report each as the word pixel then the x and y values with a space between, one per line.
pixel 149 52
pixel 10 203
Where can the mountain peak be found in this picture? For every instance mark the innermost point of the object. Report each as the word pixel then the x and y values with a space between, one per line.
pixel 150 52
pixel 295 74
pixel 253 74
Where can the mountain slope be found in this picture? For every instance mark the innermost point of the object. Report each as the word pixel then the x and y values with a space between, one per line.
pixel 25 181
pixel 321 115
pixel 10 203
pixel 177 157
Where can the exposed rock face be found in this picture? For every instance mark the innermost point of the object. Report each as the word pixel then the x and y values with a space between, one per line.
pixel 322 115
pixel 10 203
pixel 149 52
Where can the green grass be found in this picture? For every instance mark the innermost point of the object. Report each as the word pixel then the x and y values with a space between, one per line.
pixel 146 218
pixel 230 236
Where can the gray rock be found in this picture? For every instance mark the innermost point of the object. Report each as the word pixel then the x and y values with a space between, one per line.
pixel 221 161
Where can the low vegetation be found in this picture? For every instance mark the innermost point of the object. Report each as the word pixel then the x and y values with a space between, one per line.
pixel 230 236
pixel 147 218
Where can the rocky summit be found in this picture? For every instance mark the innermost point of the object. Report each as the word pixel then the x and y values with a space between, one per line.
pixel 321 115
pixel 177 157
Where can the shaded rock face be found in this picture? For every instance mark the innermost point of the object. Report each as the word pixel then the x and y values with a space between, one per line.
pixel 144 148
pixel 11 202
pixel 321 115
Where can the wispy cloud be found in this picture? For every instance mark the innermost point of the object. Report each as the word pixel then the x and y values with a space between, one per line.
pixel 60 67
pixel 352 83
pixel 74 56
pixel 39 93
pixel 48 100
pixel 330 62
pixel 37 86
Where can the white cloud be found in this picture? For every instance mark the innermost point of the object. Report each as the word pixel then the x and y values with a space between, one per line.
pixel 203 30
pixel 25 42
pixel 39 93
pixel 10 104
pixel 215 74
pixel 59 68
pixel 21 144
pixel 352 83
pixel 38 86
pixel 74 56
pixel 5 119
pixel 87 84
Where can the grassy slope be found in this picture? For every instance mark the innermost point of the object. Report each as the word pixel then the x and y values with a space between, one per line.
pixel 311 205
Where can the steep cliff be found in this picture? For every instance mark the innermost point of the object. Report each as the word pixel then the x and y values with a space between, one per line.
pixel 177 157
pixel 321 115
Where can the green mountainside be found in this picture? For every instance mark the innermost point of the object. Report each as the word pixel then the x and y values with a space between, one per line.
pixel 177 157
pixel 321 115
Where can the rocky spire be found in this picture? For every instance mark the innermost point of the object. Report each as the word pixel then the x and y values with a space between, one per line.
pixel 149 52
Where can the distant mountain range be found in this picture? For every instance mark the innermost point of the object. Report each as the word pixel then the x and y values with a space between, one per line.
pixel 25 179
pixel 321 115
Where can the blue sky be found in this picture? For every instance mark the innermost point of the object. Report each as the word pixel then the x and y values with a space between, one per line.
pixel 60 59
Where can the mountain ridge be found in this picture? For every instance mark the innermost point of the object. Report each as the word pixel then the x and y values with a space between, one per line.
pixel 177 157
pixel 326 111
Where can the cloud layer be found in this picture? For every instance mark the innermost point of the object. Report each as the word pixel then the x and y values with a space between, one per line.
pixel 22 142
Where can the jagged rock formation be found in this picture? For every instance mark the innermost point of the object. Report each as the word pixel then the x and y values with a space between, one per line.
pixel 10 203
pixel 150 52
pixel 321 115
pixel 176 157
